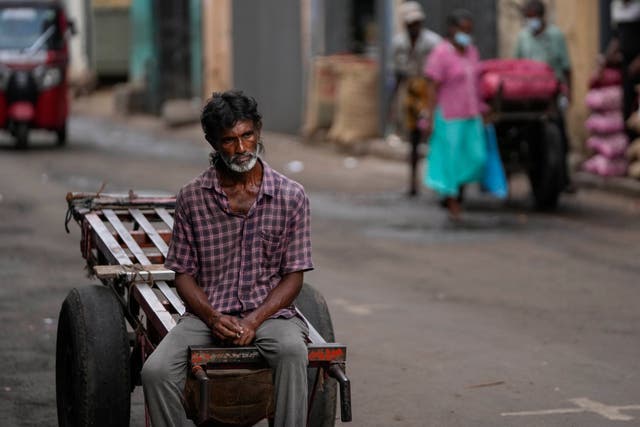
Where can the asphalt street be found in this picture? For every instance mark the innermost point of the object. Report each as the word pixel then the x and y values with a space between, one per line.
pixel 511 318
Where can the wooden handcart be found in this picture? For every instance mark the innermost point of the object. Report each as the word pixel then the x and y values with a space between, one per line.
pixel 106 332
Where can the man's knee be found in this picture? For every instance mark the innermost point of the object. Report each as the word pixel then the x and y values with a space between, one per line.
pixel 291 350
pixel 153 372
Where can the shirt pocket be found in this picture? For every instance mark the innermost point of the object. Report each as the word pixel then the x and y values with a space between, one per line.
pixel 272 249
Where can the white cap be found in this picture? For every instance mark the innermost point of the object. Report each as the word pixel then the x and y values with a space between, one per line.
pixel 411 11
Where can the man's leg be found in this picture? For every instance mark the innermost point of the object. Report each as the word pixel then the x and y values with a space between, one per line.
pixel 414 138
pixel 283 343
pixel 165 371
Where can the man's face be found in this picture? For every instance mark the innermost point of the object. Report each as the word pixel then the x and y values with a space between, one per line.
pixel 414 28
pixel 238 146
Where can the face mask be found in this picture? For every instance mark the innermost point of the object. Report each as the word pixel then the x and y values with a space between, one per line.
pixel 462 39
pixel 534 24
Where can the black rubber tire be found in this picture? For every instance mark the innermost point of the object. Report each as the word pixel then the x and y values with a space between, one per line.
pixel 61 136
pixel 546 170
pixel 92 360
pixel 22 136
pixel 314 307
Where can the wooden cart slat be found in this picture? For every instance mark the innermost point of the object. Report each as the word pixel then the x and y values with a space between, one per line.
pixel 155 311
pixel 157 272
pixel 110 247
pixel 165 216
pixel 126 237
pixel 150 230
pixel 171 296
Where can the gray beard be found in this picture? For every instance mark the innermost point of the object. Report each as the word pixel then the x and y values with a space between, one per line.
pixel 229 162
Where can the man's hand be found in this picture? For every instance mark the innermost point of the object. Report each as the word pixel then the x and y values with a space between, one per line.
pixel 248 333
pixel 226 328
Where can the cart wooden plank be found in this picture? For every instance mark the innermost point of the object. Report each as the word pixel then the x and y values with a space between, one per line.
pixel 156 271
pixel 126 237
pixel 159 317
pixel 106 242
pixel 165 216
pixel 171 296
pixel 150 230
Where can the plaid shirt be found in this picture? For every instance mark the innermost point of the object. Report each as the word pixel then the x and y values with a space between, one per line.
pixel 238 259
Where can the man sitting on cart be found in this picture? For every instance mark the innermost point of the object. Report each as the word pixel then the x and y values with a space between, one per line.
pixel 240 246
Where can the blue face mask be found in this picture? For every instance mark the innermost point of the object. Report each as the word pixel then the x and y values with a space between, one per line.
pixel 462 39
pixel 534 24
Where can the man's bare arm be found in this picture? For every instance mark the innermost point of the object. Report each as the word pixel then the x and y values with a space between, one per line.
pixel 223 326
pixel 280 297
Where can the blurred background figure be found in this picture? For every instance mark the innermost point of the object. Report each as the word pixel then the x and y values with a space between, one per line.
pixel 411 48
pixel 457 147
pixel 544 42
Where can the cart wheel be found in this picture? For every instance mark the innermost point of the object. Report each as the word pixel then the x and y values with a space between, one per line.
pixel 314 307
pixel 546 171
pixel 22 136
pixel 61 136
pixel 92 360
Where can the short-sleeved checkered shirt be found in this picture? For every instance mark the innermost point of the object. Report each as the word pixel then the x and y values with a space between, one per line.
pixel 238 259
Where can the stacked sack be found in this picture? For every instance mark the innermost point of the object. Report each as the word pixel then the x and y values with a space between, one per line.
pixel 607 139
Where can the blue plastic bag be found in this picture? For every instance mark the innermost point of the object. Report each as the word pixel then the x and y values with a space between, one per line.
pixel 494 179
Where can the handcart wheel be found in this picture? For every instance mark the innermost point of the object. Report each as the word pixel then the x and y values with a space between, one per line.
pixel 22 136
pixel 314 307
pixel 92 360
pixel 61 136
pixel 546 174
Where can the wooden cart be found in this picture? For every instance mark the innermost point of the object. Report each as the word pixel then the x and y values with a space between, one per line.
pixel 106 332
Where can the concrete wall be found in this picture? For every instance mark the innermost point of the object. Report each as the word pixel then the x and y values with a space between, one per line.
pixel 267 59
pixel 217 50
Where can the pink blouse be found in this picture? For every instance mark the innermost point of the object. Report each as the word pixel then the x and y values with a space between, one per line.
pixel 457 76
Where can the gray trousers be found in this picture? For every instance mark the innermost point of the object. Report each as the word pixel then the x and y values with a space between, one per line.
pixel 282 342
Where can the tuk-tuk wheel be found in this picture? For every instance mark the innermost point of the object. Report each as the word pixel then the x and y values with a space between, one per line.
pixel 92 360
pixel 61 136
pixel 21 133
pixel 547 166
pixel 314 307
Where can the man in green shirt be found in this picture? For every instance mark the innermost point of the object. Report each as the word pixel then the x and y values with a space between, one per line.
pixel 545 42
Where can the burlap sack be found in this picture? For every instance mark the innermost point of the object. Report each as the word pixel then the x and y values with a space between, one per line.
pixel 633 152
pixel 633 122
pixel 356 115
pixel 634 170
pixel 321 92
pixel 237 398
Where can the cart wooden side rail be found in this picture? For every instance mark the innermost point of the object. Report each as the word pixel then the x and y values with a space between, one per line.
pixel 125 242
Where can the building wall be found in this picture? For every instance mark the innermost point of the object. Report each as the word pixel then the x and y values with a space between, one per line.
pixel 217 50
pixel 580 21
pixel 268 59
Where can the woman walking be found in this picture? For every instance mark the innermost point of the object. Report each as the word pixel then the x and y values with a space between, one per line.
pixel 458 152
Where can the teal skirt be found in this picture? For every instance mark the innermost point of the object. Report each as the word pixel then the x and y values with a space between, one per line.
pixel 457 154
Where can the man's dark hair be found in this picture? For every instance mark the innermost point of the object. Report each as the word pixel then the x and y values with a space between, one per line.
pixel 224 109
pixel 455 18
pixel 534 6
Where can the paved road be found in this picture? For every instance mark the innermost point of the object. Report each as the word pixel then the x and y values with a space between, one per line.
pixel 489 323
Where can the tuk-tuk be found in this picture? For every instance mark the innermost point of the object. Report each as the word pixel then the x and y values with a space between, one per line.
pixel 34 56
